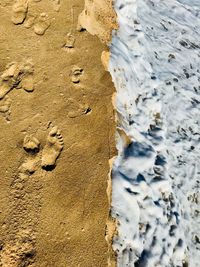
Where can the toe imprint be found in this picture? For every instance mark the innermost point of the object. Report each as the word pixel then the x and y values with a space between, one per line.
pixel 76 73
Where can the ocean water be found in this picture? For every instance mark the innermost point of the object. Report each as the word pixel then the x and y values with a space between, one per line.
pixel 155 66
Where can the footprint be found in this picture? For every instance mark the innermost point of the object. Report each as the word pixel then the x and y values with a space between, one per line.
pixel 42 24
pixel 5 105
pixel 9 79
pixel 69 41
pixel 32 162
pixel 30 166
pixel 76 73
pixel 11 71
pixel 52 149
pixel 31 144
pixel 27 82
pixel 17 76
pixel 77 109
pixel 19 11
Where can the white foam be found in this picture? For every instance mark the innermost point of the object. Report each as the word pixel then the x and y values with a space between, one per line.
pixel 155 65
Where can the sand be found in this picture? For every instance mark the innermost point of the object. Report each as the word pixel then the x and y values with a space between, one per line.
pixel 57 135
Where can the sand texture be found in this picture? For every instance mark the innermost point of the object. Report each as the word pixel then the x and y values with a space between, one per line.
pixel 56 138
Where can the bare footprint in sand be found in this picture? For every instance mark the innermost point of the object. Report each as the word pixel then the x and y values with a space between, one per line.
pixel 31 144
pixel 27 82
pixel 30 166
pixel 11 71
pixel 69 41
pixel 5 105
pixel 42 24
pixel 52 149
pixel 19 11
pixel 76 74
pixel 9 79
pixel 17 76
pixel 32 162
pixel 77 109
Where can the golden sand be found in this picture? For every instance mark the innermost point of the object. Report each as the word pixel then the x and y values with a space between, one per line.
pixel 57 133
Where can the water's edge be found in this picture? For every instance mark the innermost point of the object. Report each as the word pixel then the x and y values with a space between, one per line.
pixel 155 177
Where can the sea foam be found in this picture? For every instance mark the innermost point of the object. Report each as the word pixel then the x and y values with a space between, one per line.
pixel 155 66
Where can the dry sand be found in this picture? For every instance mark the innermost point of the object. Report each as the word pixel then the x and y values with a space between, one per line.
pixel 57 135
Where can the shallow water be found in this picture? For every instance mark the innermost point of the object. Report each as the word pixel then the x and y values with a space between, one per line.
pixel 155 65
